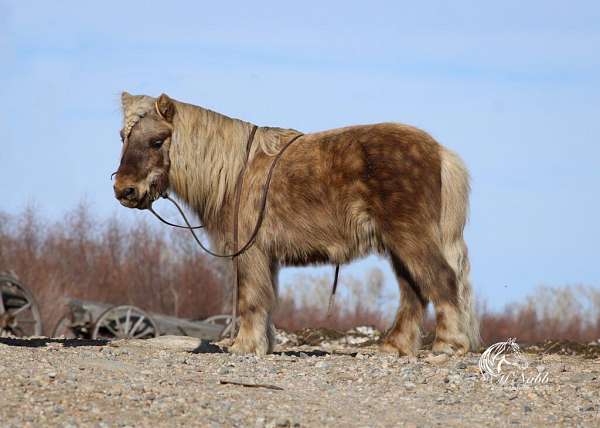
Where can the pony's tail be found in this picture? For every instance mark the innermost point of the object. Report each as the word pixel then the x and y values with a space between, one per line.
pixel 455 207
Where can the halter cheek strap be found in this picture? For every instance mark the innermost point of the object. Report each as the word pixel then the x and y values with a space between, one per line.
pixel 158 110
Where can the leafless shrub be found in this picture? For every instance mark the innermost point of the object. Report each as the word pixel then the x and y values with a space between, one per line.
pixel 82 257
pixel 305 302
pixel 560 313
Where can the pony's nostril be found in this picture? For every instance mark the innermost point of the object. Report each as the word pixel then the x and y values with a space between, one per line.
pixel 129 193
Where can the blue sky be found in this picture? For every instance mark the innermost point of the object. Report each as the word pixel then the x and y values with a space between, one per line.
pixel 513 86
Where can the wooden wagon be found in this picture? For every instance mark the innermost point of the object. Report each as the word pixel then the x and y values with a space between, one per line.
pixel 94 320
pixel 20 317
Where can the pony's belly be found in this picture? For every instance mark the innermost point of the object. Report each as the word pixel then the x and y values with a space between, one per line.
pixel 338 253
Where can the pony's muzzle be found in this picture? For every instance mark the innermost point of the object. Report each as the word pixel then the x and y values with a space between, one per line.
pixel 129 196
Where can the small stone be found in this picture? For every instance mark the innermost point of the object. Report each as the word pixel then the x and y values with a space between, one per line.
pixel 540 368
pixel 454 378
pixel 52 375
pixel 224 370
pixel 138 387
pixel 409 385
pixel 437 359
pixel 322 365
pixel 54 345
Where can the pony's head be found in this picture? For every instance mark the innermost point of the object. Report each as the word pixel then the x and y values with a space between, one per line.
pixel 143 173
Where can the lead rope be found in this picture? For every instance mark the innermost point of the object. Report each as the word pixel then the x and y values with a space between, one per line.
pixel 333 290
pixel 166 196
pixel 233 256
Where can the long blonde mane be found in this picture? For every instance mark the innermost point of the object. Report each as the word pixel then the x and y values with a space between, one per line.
pixel 207 150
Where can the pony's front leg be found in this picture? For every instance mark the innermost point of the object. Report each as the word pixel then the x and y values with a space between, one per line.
pixel 256 299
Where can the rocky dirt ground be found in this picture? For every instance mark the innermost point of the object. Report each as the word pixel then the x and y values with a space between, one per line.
pixel 316 378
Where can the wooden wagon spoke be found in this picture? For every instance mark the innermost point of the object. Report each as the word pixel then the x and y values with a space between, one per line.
pixel 117 323
pixel 146 331
pixel 137 325
pixel 109 328
pixel 127 321
pixel 21 309
pixel 2 310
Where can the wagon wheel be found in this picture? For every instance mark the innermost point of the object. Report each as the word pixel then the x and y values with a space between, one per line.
pixel 125 321
pixel 19 313
pixel 225 321
pixel 65 327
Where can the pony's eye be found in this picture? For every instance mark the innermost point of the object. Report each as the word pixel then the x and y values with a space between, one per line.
pixel 156 144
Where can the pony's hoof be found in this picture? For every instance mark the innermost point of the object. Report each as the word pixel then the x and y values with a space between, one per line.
pixel 242 347
pixel 391 348
pixel 456 347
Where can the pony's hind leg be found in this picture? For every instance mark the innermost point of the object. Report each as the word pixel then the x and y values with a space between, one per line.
pixel 436 281
pixel 256 299
pixel 449 339
pixel 404 336
pixel 449 336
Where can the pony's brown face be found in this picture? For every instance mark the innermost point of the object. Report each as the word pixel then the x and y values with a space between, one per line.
pixel 143 174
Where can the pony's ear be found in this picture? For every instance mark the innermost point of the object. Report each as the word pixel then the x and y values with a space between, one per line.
pixel 165 107
pixel 126 99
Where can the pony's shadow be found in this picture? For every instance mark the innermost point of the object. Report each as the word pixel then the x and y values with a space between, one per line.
pixel 43 342
pixel 303 354
pixel 206 347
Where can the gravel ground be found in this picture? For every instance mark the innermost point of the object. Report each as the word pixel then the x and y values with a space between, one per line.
pixel 172 381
